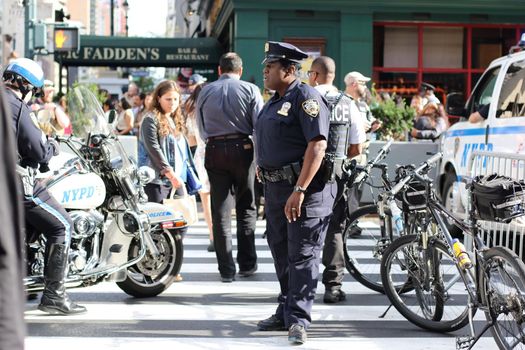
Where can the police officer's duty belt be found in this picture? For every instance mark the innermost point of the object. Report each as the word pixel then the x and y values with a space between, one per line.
pixel 288 172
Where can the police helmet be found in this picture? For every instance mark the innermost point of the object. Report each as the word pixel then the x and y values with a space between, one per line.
pixel 25 75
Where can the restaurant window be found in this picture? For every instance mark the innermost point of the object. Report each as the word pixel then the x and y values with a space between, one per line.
pixel 400 43
pixel 442 47
pixel 451 57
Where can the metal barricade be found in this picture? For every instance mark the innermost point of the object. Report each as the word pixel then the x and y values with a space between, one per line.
pixel 494 233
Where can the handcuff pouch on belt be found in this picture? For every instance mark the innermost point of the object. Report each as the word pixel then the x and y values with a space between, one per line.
pixel 27 176
pixel 288 172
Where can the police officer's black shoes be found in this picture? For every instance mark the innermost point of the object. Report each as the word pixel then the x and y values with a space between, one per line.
pixel 272 323
pixel 55 300
pixel 297 334
pixel 248 273
pixel 332 296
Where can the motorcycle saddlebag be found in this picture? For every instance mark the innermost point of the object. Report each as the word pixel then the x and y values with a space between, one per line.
pixel 498 198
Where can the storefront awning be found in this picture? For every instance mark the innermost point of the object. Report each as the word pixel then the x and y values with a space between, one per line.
pixel 143 52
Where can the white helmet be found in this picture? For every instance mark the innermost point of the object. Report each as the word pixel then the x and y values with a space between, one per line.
pixel 24 74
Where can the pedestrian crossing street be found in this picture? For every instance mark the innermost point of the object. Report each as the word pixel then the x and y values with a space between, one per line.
pixel 200 312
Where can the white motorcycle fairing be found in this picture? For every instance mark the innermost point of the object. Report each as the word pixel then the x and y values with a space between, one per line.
pixel 79 191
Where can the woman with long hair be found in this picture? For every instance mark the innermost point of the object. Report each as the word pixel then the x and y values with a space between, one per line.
pixel 162 133
pixel 204 193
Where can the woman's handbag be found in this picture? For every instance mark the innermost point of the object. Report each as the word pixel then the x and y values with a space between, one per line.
pixel 186 204
pixel 193 184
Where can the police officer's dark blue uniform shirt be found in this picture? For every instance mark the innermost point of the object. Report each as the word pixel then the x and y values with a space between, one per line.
pixel 33 148
pixel 288 123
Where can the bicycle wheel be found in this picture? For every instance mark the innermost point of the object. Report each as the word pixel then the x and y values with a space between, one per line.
pixel 433 298
pixel 364 245
pixel 503 292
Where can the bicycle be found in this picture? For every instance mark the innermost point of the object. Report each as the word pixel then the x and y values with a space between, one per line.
pixel 441 290
pixel 369 229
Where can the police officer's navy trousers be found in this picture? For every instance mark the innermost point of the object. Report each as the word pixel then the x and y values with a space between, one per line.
pixel 296 249
pixel 230 166
pixel 45 215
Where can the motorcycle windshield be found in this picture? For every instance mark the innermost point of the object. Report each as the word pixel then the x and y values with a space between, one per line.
pixel 87 112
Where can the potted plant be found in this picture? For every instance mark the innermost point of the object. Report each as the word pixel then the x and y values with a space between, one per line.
pixel 396 116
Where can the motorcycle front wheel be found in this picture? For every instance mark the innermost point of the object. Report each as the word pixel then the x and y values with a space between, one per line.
pixel 152 276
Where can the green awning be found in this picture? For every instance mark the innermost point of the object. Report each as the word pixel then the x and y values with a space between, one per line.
pixel 143 52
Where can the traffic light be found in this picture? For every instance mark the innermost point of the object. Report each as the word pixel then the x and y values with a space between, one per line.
pixel 60 15
pixel 66 39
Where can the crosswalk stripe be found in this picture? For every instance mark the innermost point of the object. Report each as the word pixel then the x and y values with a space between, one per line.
pixel 202 313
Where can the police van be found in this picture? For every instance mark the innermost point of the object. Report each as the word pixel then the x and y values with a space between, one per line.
pixel 502 86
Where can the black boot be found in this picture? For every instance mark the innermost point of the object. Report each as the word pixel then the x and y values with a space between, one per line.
pixel 55 300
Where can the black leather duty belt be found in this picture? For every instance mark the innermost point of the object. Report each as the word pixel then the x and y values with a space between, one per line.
pixel 236 136
pixel 289 173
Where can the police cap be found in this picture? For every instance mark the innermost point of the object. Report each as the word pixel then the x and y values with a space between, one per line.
pixel 275 51
pixel 427 87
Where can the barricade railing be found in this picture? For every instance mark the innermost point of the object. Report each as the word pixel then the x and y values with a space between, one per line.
pixel 510 235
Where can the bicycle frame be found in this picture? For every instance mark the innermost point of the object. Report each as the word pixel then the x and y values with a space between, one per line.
pixel 469 227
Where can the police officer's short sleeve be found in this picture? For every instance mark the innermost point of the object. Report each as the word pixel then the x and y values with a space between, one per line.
pixel 313 114
pixel 484 111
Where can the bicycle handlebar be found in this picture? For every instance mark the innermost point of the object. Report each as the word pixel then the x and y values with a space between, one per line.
pixel 382 152
pixel 364 171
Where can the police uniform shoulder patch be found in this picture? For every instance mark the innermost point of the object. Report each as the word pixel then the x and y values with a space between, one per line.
pixel 311 107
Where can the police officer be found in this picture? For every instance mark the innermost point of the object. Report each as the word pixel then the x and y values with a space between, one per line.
pixel 291 132
pixel 23 77
pixel 346 138
pixel 11 258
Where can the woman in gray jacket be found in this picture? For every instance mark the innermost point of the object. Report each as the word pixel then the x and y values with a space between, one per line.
pixel 162 133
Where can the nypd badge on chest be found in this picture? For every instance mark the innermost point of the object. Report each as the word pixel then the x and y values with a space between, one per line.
pixel 311 107
pixel 284 109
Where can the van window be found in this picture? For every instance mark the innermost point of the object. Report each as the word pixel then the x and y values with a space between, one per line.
pixel 512 97
pixel 482 94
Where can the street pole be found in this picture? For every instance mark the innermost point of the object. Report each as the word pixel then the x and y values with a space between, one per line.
pixel 29 18
pixel 112 19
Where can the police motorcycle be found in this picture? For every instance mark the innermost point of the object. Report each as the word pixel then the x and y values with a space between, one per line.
pixel 117 235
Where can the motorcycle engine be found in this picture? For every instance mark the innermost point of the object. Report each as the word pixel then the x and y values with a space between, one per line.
pixel 85 223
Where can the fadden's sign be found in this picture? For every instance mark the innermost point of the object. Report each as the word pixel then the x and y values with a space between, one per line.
pixel 149 52
pixel 100 54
